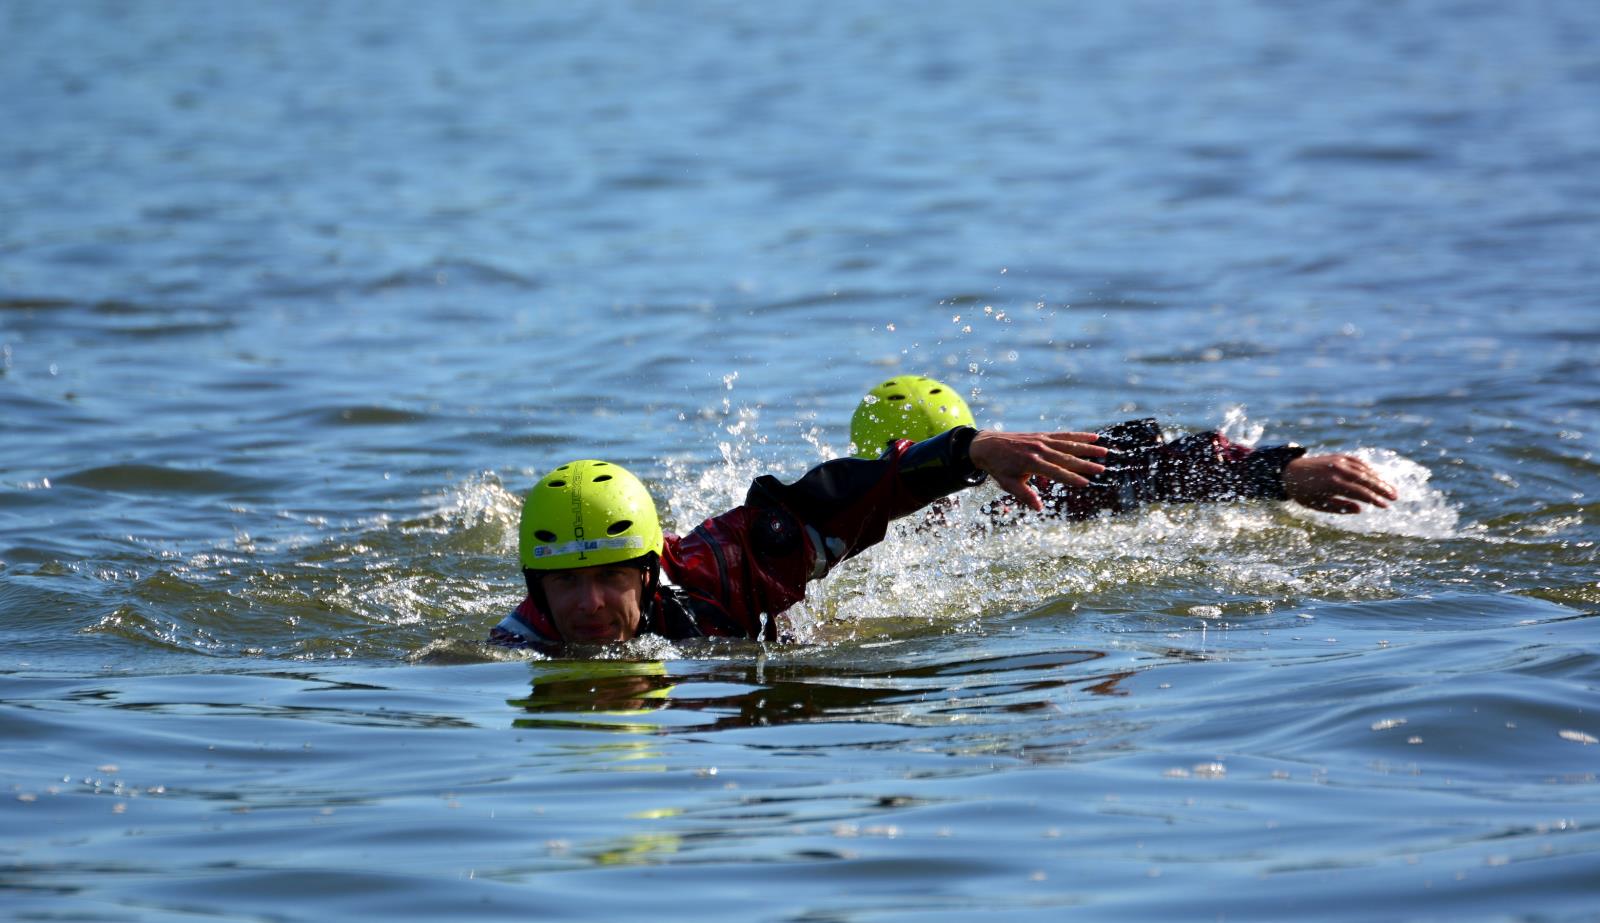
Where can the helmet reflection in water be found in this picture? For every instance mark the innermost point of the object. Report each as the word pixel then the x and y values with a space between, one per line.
pixel 589 692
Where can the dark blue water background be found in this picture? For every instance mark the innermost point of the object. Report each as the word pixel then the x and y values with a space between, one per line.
pixel 297 298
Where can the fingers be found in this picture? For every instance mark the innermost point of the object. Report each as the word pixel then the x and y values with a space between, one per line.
pixel 1365 494
pixel 1012 458
pixel 1381 488
pixel 1337 484
pixel 1334 505
pixel 1356 480
pixel 1069 462
pixel 1022 490
pixel 1079 438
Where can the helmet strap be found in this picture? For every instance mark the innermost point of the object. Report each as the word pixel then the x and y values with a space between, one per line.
pixel 536 590
pixel 647 603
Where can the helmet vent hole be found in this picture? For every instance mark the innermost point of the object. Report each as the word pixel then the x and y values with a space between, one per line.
pixel 619 527
pixel 558 483
pixel 603 477
pixel 544 535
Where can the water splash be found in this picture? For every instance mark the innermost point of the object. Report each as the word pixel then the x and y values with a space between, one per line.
pixel 949 571
pixel 480 509
pixel 1422 511
pixel 427 586
pixel 1237 427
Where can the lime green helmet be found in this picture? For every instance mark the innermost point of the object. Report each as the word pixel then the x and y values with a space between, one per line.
pixel 905 407
pixel 585 513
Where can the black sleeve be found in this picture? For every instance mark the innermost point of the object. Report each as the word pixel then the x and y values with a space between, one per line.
pixel 904 479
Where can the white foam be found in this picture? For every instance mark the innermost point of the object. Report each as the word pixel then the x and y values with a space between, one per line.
pixel 480 500
pixel 1422 511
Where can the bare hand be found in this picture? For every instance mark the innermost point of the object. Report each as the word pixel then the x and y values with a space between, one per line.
pixel 1012 458
pixel 1335 484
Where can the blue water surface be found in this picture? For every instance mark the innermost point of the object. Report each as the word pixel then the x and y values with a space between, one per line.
pixel 296 299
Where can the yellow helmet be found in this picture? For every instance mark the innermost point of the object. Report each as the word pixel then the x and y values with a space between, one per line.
pixel 905 407
pixel 585 513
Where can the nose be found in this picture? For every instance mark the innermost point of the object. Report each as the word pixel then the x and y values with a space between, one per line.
pixel 590 597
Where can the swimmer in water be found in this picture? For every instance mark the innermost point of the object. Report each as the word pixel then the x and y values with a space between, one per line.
pixel 1139 467
pixel 599 568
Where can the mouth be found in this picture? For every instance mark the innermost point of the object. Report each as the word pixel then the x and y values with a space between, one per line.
pixel 593 633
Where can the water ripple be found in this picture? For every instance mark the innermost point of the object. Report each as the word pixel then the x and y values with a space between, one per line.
pixel 162 479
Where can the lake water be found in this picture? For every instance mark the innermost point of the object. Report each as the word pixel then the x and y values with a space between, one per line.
pixel 296 299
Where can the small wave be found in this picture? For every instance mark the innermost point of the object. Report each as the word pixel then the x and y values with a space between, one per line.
pixel 1365 153
pixel 854 297
pixel 371 416
pixel 354 415
pixel 160 479
pixel 1213 352
pixel 171 329
pixel 466 274
pixel 453 651
pixel 24 303
pixel 1470 706
pixel 480 502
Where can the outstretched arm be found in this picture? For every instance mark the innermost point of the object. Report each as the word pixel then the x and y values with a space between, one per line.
pixel 763 553
pixel 1335 484
pixel 1012 458
pixel 1207 467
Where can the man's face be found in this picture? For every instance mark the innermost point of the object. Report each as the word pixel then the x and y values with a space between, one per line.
pixel 593 605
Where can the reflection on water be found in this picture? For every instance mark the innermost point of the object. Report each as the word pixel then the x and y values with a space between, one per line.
pixel 1076 772
pixel 626 696
pixel 597 695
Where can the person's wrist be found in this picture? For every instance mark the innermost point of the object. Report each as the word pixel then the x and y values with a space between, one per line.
pixel 1265 470
pixel 961 446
